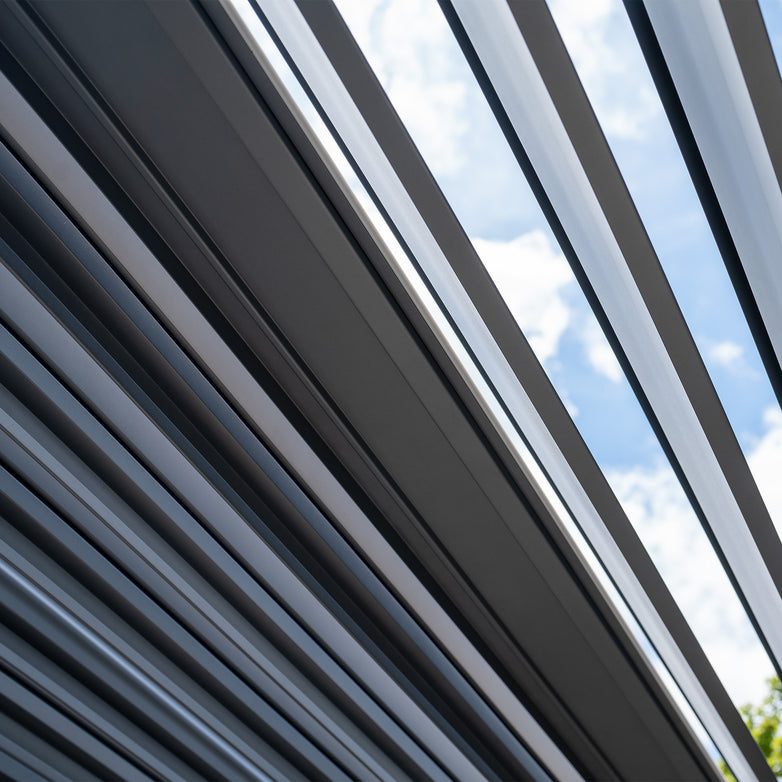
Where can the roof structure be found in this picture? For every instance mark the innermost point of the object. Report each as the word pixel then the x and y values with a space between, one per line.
pixel 286 496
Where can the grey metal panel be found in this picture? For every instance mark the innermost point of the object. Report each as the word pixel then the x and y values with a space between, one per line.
pixel 35 671
pixel 220 518
pixel 760 70
pixel 25 745
pixel 761 74
pixel 344 509
pixel 240 647
pixel 59 487
pixel 221 563
pixel 535 21
pixel 90 640
pixel 99 757
pixel 216 405
pixel 363 386
pixel 702 182
pixel 14 765
pixel 108 452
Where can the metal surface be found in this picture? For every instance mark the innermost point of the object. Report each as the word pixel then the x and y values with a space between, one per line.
pixel 278 495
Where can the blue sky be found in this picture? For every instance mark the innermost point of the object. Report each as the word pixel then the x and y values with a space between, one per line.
pixel 421 67
pixel 772 15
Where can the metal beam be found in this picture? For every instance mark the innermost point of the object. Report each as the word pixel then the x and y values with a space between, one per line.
pixel 85 198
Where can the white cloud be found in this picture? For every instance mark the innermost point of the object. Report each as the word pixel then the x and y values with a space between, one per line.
pixel 532 276
pixel 534 279
pixel 658 508
pixel 764 460
pixel 598 352
pixel 420 65
pixel 610 64
pixel 726 354
pixel 359 15
pixel 732 358
pixel 409 45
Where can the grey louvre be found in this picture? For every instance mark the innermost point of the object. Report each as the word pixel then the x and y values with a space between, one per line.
pixel 267 507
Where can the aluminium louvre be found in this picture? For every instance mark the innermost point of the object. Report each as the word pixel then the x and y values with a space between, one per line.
pixel 218 406
pixel 700 56
pixel 54 343
pixel 383 135
pixel 60 478
pixel 126 462
pixel 637 736
pixel 662 364
pixel 761 74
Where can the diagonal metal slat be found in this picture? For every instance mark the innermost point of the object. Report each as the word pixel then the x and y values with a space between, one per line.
pixel 718 80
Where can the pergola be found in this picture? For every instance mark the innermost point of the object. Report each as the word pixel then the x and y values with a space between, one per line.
pixel 280 502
